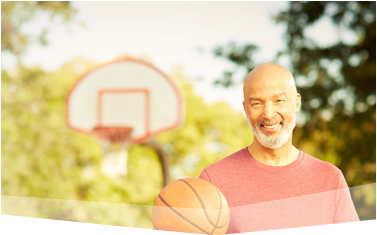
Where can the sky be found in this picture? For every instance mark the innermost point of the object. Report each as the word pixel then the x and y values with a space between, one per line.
pixel 170 34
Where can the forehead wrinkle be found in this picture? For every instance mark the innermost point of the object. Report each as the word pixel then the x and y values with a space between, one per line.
pixel 279 94
pixel 272 96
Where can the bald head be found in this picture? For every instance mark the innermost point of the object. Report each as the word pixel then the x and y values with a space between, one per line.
pixel 268 75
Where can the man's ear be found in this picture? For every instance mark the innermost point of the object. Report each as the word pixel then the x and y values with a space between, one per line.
pixel 244 108
pixel 298 102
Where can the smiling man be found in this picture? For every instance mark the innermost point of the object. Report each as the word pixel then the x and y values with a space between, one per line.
pixel 271 184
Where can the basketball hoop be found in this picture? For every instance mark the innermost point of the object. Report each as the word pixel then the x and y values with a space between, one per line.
pixel 113 134
pixel 124 102
pixel 115 142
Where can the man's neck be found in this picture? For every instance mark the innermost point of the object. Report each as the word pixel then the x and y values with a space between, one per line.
pixel 274 157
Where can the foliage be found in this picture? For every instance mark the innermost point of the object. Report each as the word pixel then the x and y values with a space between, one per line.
pixel 337 83
pixel 241 56
pixel 341 105
pixel 15 15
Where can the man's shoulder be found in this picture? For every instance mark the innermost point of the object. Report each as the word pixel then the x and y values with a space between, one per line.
pixel 319 165
pixel 227 168
pixel 233 160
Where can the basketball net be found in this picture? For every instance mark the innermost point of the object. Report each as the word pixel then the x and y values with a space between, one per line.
pixel 115 142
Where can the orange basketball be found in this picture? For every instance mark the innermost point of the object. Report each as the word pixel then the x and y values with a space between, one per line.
pixel 191 205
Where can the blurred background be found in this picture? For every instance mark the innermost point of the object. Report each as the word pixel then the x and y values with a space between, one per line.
pixel 50 171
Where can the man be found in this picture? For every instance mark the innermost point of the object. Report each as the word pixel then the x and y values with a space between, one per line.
pixel 271 184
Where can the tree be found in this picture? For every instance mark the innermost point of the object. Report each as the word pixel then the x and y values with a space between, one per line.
pixel 15 15
pixel 337 83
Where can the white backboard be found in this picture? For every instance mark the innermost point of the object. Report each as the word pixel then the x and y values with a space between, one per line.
pixel 125 93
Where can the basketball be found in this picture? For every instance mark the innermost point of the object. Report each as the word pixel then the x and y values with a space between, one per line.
pixel 191 205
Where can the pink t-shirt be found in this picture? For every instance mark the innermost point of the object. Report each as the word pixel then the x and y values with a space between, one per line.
pixel 306 192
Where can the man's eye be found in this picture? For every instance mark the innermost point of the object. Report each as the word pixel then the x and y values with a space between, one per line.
pixel 255 104
pixel 280 101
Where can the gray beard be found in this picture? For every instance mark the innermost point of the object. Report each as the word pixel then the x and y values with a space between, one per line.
pixel 274 142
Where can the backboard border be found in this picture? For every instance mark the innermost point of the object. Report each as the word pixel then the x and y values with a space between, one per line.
pixel 180 104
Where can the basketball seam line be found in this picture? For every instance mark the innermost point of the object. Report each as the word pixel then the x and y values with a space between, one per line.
pixel 181 215
pixel 201 203
pixel 218 218
pixel 155 226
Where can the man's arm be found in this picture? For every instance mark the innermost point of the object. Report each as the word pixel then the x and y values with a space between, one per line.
pixel 204 176
pixel 344 210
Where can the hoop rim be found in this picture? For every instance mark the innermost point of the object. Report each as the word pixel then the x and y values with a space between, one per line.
pixel 113 134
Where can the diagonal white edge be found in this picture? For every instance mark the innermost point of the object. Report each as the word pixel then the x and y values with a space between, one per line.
pixel 102 215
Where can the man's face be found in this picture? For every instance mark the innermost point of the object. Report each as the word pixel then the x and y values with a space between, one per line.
pixel 271 106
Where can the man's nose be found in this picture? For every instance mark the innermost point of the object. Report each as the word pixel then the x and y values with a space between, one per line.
pixel 269 112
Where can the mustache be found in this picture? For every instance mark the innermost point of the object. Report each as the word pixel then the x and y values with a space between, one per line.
pixel 265 121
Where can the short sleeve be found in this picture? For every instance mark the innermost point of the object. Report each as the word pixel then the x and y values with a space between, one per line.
pixel 344 208
pixel 204 176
